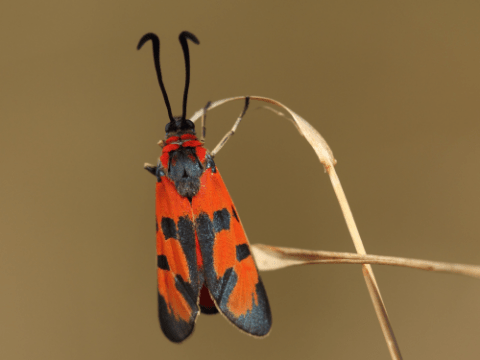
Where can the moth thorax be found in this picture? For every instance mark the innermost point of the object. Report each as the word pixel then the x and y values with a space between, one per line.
pixel 185 170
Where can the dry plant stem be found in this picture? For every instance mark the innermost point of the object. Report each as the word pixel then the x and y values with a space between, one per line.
pixel 366 269
pixel 325 156
pixel 275 257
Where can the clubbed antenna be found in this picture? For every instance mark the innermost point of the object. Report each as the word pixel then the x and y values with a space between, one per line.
pixel 156 60
pixel 183 41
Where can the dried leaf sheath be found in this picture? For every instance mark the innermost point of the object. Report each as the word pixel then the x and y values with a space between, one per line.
pixel 275 257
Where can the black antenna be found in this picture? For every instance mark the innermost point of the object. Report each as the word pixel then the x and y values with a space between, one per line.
pixel 156 60
pixel 183 41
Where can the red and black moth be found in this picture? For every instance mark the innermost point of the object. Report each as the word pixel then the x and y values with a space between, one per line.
pixel 204 263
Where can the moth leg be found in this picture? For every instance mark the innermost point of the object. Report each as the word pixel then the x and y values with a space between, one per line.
pixel 204 121
pixel 155 170
pixel 152 169
pixel 234 128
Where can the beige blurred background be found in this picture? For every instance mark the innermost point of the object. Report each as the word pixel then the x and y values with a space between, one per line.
pixel 393 87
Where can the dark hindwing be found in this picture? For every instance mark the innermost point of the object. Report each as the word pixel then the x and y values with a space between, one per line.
pixel 230 272
pixel 178 278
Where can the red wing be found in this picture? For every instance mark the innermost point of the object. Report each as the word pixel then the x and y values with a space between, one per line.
pixel 178 279
pixel 230 271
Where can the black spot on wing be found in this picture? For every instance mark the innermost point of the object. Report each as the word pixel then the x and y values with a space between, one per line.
pixel 221 220
pixel 186 231
pixel 162 262
pixel 242 252
pixel 234 212
pixel 168 228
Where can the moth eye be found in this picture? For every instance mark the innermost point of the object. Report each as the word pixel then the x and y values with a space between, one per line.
pixel 187 125
pixel 170 127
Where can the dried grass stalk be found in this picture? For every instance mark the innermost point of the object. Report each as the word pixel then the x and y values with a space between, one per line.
pixel 325 156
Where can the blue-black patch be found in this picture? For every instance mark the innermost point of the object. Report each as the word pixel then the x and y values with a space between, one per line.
pixel 221 220
pixel 168 228
pixel 206 238
pixel 186 236
pixel 242 252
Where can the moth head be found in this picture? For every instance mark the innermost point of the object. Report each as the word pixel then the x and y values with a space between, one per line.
pixel 179 127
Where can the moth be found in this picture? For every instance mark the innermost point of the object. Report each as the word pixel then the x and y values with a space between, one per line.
pixel 204 263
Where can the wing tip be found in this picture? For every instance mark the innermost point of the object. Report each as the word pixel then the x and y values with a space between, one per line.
pixel 176 330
